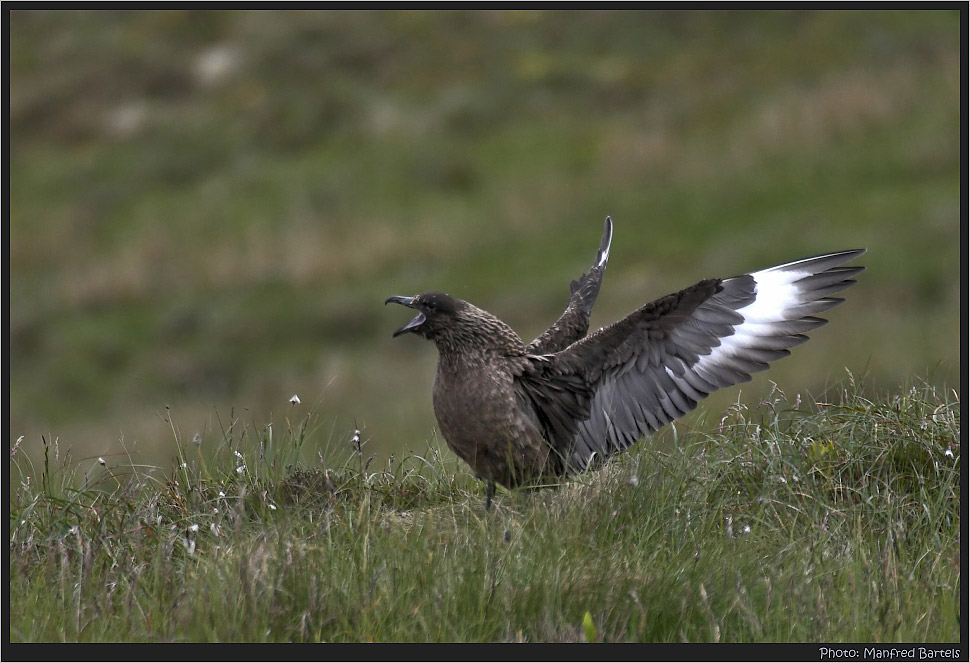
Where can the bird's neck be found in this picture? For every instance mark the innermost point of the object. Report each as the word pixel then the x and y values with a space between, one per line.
pixel 482 334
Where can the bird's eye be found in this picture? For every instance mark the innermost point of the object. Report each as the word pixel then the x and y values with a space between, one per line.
pixel 432 307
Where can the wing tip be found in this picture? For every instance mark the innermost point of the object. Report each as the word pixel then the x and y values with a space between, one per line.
pixel 605 242
pixel 818 263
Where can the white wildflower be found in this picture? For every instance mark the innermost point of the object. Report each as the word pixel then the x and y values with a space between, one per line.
pixel 294 400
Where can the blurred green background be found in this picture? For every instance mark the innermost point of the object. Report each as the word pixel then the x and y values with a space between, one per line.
pixel 208 208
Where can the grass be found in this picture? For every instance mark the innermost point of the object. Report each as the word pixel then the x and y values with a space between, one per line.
pixel 790 521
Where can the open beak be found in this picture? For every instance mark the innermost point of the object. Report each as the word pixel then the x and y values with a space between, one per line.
pixel 409 302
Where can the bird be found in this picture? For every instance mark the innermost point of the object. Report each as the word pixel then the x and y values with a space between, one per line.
pixel 530 414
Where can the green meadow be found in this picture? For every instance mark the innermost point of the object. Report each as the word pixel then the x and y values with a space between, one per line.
pixel 835 523
pixel 208 209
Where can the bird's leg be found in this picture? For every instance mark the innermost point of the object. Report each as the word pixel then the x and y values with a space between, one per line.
pixel 489 493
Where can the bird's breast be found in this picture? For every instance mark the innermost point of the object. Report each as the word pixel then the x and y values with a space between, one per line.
pixel 482 422
pixel 473 401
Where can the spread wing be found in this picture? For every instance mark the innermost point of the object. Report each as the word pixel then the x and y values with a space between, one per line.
pixel 607 390
pixel 573 324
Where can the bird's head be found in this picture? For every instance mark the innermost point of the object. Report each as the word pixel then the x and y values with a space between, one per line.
pixel 455 325
pixel 436 312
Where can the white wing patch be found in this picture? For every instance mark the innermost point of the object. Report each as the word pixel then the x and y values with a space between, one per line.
pixel 779 301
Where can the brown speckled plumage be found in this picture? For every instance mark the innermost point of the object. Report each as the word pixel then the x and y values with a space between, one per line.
pixel 525 414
